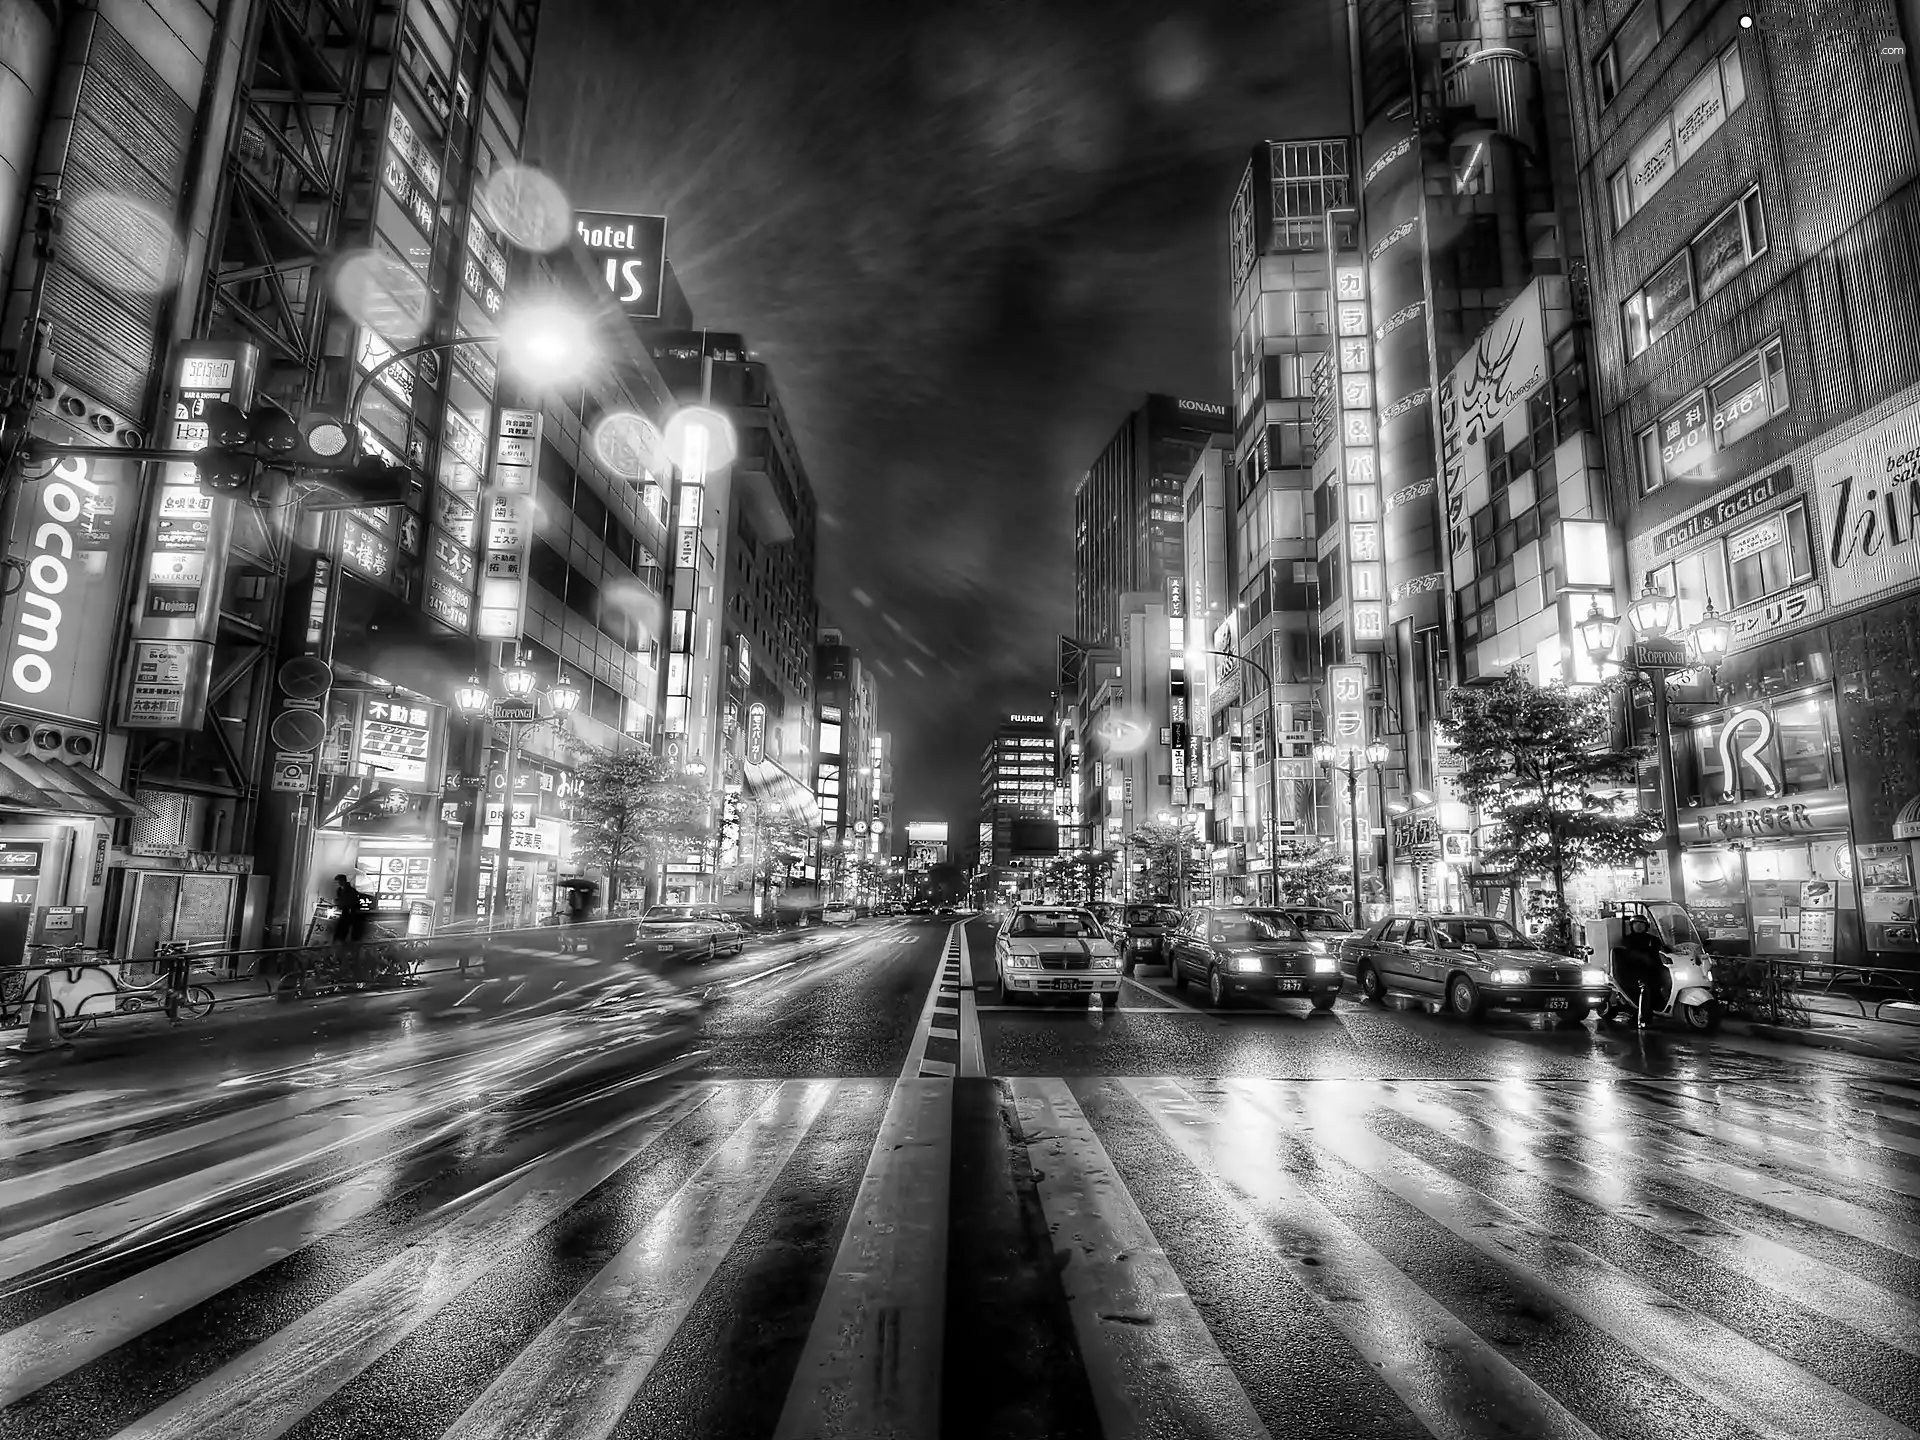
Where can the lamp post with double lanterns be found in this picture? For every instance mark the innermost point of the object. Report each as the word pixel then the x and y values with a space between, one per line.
pixel 1347 760
pixel 518 713
pixel 1657 651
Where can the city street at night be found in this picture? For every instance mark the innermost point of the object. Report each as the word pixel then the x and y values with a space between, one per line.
pixel 831 1186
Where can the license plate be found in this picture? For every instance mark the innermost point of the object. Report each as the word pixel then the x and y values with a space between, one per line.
pixel 1289 984
pixel 1073 984
pixel 1558 1002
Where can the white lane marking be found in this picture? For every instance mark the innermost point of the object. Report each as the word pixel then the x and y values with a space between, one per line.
pixel 1394 1325
pixel 1149 1357
pixel 973 1062
pixel 758 975
pixel 917 1051
pixel 1763 1187
pixel 15 1113
pixel 277 1383
pixel 872 1362
pixel 577 1377
pixel 1767 1393
pixel 940 1032
pixel 1170 996
pixel 938 1068
pixel 1811 1283
pixel 43 1350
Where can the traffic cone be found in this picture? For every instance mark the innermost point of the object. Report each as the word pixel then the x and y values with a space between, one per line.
pixel 42 1033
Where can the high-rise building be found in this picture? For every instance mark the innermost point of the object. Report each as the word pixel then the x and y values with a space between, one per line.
pixel 1017 779
pixel 1756 321
pixel 849 765
pixel 201 194
pixel 1126 509
pixel 740 699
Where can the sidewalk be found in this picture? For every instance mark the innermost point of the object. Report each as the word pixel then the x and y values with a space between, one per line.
pixel 1854 1034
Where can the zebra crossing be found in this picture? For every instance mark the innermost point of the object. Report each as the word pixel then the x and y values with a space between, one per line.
pixel 1230 1257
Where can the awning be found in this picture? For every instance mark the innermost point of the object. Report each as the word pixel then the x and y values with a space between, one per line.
pixel 64 789
pixel 17 792
pixel 766 781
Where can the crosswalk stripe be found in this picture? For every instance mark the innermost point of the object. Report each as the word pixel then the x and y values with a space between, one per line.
pixel 1577 1115
pixel 1775 1141
pixel 1390 1321
pixel 1770 1394
pixel 872 1360
pixel 1824 1289
pixel 271 1387
pixel 577 1378
pixel 1153 1364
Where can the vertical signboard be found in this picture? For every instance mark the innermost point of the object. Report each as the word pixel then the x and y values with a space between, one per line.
pixel 69 533
pixel 1359 468
pixel 184 562
pixel 1347 706
pixel 509 525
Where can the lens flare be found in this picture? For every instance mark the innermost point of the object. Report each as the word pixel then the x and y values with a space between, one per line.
pixel 125 245
pixel 529 207
pixel 383 293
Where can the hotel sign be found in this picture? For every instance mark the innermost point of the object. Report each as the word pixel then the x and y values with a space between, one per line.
pixel 631 251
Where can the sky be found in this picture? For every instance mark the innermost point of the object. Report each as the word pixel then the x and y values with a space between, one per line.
pixel 967 238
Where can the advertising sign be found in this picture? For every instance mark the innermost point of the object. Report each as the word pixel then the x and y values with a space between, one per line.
pixel 1868 487
pixel 756 733
pixel 394 741
pixel 509 516
pixel 1347 705
pixel 186 550
pixel 1366 572
pixel 1731 506
pixel 631 251
pixel 1507 364
pixel 69 535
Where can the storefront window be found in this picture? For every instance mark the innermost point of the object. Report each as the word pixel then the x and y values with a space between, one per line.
pixel 1806 751
pixel 1769 556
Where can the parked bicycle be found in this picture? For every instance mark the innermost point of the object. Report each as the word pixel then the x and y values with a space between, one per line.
pixel 83 994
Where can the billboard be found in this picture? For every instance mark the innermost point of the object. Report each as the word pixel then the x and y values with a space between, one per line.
pixel 631 251
pixel 1868 488
pixel 926 832
pixel 69 536
pixel 1507 364
pixel 184 570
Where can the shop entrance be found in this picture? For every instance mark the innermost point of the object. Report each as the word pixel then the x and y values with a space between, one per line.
pixel 1775 899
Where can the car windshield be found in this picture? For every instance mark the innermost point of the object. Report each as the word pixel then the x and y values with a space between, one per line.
pixel 1062 923
pixel 1254 925
pixel 1318 920
pixel 672 912
pixel 1484 933
pixel 1147 915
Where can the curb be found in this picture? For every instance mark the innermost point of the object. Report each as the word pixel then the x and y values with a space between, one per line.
pixel 1825 1038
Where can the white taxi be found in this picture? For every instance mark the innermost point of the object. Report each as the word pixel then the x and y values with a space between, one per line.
pixel 1056 950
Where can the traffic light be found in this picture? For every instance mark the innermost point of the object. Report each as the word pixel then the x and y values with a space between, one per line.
pixel 237 442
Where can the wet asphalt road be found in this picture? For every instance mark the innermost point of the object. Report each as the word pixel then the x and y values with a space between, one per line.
pixel 823 1191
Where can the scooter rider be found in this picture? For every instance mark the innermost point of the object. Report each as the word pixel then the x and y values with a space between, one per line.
pixel 1640 963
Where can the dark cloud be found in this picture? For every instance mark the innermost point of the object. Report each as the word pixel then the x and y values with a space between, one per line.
pixel 967 237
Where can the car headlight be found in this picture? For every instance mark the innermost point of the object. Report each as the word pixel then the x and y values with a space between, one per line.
pixel 1509 977
pixel 1023 962
pixel 1106 962
pixel 1592 976
pixel 1246 964
pixel 1323 965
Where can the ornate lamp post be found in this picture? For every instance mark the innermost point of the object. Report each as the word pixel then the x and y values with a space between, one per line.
pixel 1347 760
pixel 1657 652
pixel 518 715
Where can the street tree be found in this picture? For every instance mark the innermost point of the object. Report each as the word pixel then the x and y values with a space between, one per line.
pixel 770 841
pixel 631 813
pixel 1540 764
pixel 1311 869
pixel 1160 848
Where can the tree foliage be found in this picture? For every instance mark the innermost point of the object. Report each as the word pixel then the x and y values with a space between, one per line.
pixel 1158 846
pixel 1311 870
pixel 631 811
pixel 1540 764
pixel 770 841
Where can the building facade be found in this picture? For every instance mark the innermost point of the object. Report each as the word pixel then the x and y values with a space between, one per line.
pixel 850 765
pixel 1126 509
pixel 1750 197
pixel 1018 769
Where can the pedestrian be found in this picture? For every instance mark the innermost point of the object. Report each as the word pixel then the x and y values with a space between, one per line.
pixel 350 906
pixel 1641 963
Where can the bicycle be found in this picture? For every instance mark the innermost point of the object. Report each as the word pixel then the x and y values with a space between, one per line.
pixel 73 989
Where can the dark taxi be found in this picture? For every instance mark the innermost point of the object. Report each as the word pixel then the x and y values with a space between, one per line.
pixel 1235 951
pixel 1148 932
pixel 1470 964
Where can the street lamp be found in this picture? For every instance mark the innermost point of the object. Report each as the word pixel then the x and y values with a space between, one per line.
pixel 1651 617
pixel 475 702
pixel 1347 760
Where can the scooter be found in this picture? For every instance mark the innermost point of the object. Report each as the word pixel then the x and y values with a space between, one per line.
pixel 1689 985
